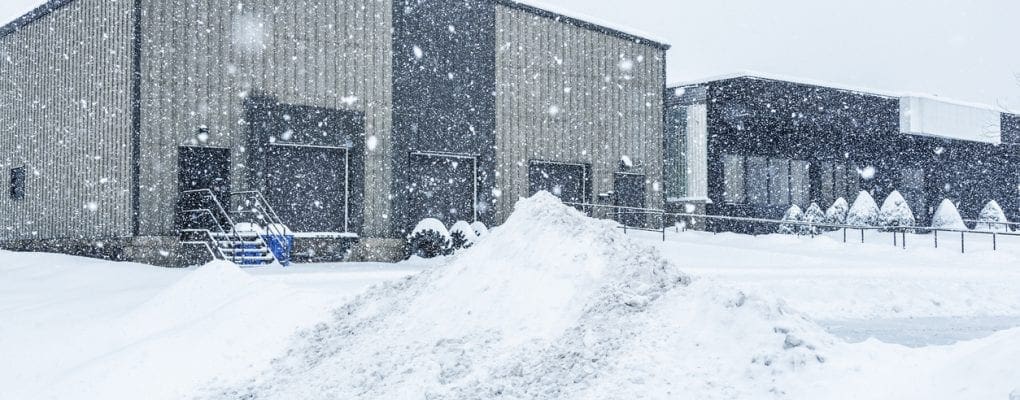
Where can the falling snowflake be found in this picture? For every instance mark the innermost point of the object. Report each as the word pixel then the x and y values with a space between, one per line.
pixel 418 53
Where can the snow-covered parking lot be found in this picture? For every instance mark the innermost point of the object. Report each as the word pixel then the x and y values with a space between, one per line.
pixel 73 328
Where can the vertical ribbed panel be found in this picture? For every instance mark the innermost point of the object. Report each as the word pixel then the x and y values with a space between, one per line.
pixel 196 72
pixel 563 96
pixel 65 114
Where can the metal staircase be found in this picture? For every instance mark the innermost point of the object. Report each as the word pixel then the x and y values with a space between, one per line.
pixel 249 235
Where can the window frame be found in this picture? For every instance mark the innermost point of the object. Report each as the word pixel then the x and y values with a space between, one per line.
pixel 18 183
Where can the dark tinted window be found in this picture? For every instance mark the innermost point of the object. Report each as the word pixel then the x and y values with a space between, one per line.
pixel 18 183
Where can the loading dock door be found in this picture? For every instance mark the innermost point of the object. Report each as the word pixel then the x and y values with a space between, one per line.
pixel 308 187
pixel 630 192
pixel 201 168
pixel 567 181
pixel 443 186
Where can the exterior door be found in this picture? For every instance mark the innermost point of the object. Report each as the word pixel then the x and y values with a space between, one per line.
pixel 567 181
pixel 201 168
pixel 308 187
pixel 630 193
pixel 444 187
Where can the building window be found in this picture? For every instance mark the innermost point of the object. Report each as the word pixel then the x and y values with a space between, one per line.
pixel 733 178
pixel 675 160
pixel 835 183
pixel 911 186
pixel 779 182
pixel 18 183
pixel 800 182
pixel 757 181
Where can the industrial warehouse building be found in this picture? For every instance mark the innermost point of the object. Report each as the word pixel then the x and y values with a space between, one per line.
pixel 751 145
pixel 351 118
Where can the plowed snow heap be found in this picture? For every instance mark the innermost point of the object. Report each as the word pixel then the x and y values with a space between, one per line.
pixel 551 305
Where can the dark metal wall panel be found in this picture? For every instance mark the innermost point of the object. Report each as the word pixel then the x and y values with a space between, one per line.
pixel 201 59
pixel 65 114
pixel 769 118
pixel 443 78
pixel 570 94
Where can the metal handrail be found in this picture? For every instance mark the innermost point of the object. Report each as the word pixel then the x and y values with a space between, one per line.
pixel 207 247
pixel 895 230
pixel 262 207
pixel 212 239
pixel 219 206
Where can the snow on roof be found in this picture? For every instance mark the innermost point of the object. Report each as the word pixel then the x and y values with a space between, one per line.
pixel 585 21
pixel 832 85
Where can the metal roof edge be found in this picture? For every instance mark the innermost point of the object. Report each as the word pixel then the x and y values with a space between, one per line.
pixel 32 16
pixel 581 23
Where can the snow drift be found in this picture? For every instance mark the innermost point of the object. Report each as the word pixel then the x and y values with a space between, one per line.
pixel 551 305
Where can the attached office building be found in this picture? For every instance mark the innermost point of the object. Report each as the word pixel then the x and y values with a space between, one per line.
pixel 752 146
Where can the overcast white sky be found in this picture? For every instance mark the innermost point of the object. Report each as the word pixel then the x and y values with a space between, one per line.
pixel 962 49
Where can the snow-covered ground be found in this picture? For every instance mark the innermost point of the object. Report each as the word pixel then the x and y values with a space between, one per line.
pixel 552 305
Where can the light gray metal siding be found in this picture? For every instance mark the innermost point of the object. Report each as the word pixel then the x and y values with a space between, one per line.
pixel 65 114
pixel 201 58
pixel 565 94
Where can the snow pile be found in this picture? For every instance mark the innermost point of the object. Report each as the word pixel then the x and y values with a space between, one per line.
pixel 551 305
pixel 947 217
pixel 992 218
pixel 480 229
pixel 864 212
pixel 895 211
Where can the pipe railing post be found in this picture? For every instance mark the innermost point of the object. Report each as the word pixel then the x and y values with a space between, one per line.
pixel 995 244
pixel 862 235
pixel 963 247
pixel 844 234
pixel 904 239
pixel 936 238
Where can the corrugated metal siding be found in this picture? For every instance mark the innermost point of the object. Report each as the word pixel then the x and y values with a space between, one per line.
pixel 315 53
pixel 65 114
pixel 602 112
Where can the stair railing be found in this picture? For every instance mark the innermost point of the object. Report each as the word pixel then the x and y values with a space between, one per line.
pixel 208 194
pixel 263 210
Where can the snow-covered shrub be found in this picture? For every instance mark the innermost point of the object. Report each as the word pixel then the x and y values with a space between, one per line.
pixel 462 235
pixel 992 219
pixel 864 212
pixel 794 214
pixel 836 215
pixel 480 229
pixel 430 239
pixel 947 217
pixel 813 215
pixel 896 212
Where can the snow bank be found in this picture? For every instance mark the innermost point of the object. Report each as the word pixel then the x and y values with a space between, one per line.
pixel 551 305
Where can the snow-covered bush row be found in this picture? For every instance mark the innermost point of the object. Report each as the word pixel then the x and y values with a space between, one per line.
pixel 864 211
pixel 836 215
pixel 430 238
pixel 794 214
pixel 947 217
pixel 992 218
pixel 813 215
pixel 896 212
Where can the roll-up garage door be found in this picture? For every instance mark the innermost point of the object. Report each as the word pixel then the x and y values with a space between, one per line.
pixel 567 181
pixel 308 187
pixel 443 186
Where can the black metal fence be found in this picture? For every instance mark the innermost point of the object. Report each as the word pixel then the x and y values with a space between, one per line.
pixel 661 221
